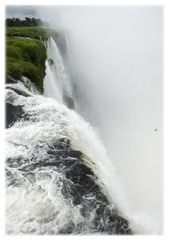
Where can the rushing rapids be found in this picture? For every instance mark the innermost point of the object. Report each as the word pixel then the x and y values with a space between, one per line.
pixel 59 179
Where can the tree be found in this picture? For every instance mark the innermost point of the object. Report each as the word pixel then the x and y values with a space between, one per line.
pixel 27 22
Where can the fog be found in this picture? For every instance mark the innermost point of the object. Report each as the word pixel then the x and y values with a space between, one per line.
pixel 116 59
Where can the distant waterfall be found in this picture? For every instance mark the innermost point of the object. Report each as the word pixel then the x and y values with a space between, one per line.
pixel 57 82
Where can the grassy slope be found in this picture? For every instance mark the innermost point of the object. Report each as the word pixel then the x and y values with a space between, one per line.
pixel 26 53
pixel 32 32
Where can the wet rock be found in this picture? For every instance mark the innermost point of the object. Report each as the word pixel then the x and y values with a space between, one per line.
pixel 77 181
pixel 19 92
pixel 10 79
pixel 51 62
pixel 13 114
pixel 68 101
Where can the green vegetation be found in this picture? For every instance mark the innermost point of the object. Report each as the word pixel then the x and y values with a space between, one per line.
pixel 31 32
pixel 26 53
pixel 27 22
pixel 25 49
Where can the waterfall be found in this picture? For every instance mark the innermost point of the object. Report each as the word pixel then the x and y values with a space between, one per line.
pixel 59 177
pixel 37 182
pixel 57 82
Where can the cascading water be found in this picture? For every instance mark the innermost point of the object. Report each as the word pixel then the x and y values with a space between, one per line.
pixel 37 199
pixel 59 178
pixel 57 82
pixel 58 74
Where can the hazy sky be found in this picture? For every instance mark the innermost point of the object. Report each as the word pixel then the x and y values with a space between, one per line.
pixel 117 53
pixel 21 11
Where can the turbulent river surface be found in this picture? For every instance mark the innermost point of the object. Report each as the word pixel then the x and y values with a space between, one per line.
pixel 58 176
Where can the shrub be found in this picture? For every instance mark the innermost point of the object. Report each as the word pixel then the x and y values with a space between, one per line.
pixel 26 57
pixel 31 32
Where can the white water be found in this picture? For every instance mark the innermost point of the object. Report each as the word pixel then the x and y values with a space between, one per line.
pixel 91 146
pixel 121 46
pixel 141 223
pixel 34 202
pixel 55 121
pixel 117 56
pixel 56 82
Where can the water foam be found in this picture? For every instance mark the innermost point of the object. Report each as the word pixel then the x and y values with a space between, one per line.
pixel 36 196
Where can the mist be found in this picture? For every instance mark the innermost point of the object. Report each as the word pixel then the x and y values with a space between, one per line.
pixel 116 57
